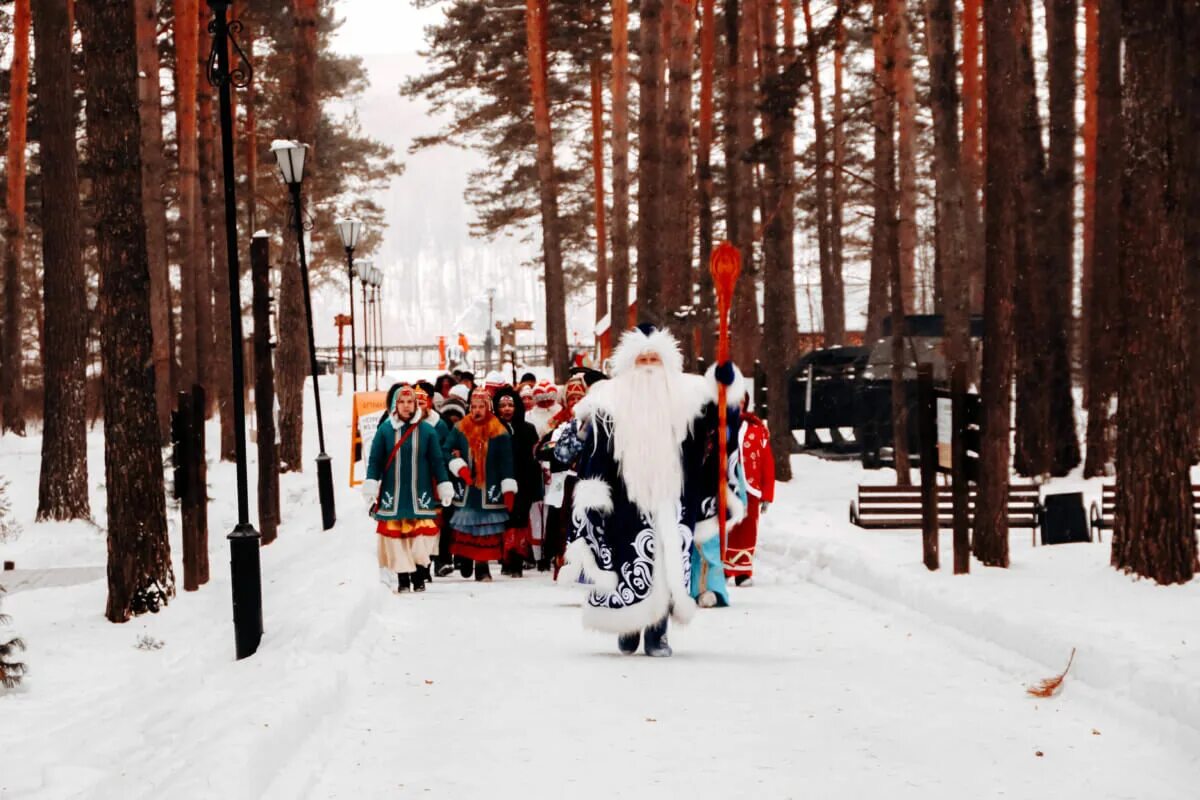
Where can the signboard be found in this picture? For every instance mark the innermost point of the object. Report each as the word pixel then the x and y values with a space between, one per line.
pixel 368 406
pixel 945 430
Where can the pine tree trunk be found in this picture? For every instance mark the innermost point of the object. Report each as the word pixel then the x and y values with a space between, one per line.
pixel 139 556
pixel 154 177
pixel 187 48
pixel 619 310
pixel 833 303
pixel 1003 143
pixel 208 355
pixel 1091 56
pixel 1154 529
pixel 12 387
pixel 837 179
pixel 779 301
pixel 883 114
pixel 906 148
pixel 972 148
pixel 952 203
pixel 64 472
pixel 676 253
pixel 651 139
pixel 744 327
pixel 704 179
pixel 291 362
pixel 1103 318
pixel 597 69
pixel 1190 167
pixel 556 322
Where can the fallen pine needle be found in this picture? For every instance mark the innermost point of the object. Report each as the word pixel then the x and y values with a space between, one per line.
pixel 1050 686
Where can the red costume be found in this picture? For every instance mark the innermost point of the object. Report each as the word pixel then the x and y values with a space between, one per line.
pixel 758 465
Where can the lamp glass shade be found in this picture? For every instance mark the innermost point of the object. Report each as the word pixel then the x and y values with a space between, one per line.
pixel 378 277
pixel 289 156
pixel 350 229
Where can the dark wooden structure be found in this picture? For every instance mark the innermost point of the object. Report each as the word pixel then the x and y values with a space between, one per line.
pixel 900 507
pixel 1101 516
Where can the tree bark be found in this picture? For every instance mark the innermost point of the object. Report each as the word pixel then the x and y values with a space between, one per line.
pixel 64 471
pixel 744 327
pixel 951 200
pixel 208 356
pixel 1061 448
pixel 12 386
pixel 1091 56
pixel 779 299
pixel 883 115
pixel 556 321
pixel 187 48
pixel 1154 529
pixel 292 363
pixel 139 556
pixel 704 178
pixel 906 147
pixel 651 137
pixel 833 302
pixel 1003 142
pixel 837 179
pixel 972 148
pixel 676 254
pixel 619 311
pixel 250 127
pixel 1103 318
pixel 598 188
pixel 154 178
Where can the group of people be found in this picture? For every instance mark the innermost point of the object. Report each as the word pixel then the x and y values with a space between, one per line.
pixel 612 482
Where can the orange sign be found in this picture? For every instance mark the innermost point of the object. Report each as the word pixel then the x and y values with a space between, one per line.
pixel 368 407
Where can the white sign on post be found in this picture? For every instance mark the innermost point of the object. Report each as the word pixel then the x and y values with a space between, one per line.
pixel 945 429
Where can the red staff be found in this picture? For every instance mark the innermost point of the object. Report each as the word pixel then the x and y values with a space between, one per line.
pixel 725 265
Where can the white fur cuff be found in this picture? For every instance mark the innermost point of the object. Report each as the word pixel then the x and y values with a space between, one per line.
pixel 579 560
pixel 593 494
pixel 370 491
pixel 457 465
pixel 445 492
pixel 734 392
pixel 508 485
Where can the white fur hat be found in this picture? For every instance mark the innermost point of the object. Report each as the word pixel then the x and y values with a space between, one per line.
pixel 461 391
pixel 646 339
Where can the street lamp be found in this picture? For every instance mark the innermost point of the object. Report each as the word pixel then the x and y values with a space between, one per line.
pixel 378 285
pixel 362 268
pixel 350 229
pixel 290 157
pixel 244 563
pixel 488 340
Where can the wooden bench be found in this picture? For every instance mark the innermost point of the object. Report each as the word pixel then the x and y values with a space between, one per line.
pixel 1101 516
pixel 899 507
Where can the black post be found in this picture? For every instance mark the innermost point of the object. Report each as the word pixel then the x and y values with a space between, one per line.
pixel 380 352
pixel 958 469
pixel 367 339
pixel 927 430
pixel 353 341
pixel 244 540
pixel 324 465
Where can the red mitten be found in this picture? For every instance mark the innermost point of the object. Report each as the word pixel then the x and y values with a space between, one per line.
pixel 509 500
pixel 465 475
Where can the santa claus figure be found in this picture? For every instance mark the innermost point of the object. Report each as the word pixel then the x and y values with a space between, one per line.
pixel 647 478
pixel 757 465
pixel 545 402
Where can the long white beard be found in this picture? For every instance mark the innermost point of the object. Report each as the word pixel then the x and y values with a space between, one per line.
pixel 647 431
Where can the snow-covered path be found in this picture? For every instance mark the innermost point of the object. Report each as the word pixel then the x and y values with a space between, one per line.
pixel 495 690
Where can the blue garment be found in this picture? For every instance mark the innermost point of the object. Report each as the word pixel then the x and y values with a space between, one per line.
pixel 709 553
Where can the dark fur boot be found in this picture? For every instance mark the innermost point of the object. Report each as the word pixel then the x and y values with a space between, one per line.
pixel 656 639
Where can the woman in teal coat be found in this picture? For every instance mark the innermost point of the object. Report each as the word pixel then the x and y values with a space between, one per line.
pixel 405 487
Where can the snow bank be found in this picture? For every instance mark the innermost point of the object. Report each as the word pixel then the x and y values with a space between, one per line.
pixel 1135 640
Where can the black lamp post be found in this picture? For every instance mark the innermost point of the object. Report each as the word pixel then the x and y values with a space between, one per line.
pixel 350 229
pixel 244 563
pixel 290 156
pixel 362 268
pixel 377 284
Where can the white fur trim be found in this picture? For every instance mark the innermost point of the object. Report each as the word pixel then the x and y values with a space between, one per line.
pixel 457 465
pixel 634 343
pixel 370 490
pixel 733 393
pixel 579 560
pixel 445 491
pixel 708 528
pixel 593 494
pixel 508 485
pixel 667 594
pixel 707 599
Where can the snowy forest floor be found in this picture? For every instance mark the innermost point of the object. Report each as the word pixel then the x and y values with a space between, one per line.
pixel 847 670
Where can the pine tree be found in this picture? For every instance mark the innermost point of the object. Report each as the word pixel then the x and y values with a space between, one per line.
pixel 12 388
pixel 63 484
pixel 139 569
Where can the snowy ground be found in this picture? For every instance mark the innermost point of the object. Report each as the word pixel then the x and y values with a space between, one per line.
pixel 846 671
